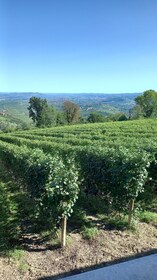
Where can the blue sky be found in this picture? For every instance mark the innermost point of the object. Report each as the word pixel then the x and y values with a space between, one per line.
pixel 105 46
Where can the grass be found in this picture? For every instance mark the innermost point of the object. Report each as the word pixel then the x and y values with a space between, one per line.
pixel 147 217
pixel 23 267
pixel 17 256
pixel 89 233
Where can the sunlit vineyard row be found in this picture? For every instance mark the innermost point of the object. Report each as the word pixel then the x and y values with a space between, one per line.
pixel 131 134
pixel 112 161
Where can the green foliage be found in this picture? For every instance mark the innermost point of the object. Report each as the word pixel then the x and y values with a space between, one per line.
pixel 9 222
pixel 71 112
pixel 147 104
pixel 95 117
pixel 127 175
pixel 53 184
pixel 60 119
pixel 136 113
pixel 15 208
pixel 119 223
pixel 93 204
pixel 147 217
pixel 113 162
pixel 62 187
pixel 89 233
pixel 117 117
pixel 17 256
pixel 41 113
pixel 78 217
pixel 48 117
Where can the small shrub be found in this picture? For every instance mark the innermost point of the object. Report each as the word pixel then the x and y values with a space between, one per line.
pixel 89 233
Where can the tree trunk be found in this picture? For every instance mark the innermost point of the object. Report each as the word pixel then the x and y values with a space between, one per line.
pixel 131 208
pixel 63 235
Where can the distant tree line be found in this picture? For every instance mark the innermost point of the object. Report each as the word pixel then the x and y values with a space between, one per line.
pixel 45 115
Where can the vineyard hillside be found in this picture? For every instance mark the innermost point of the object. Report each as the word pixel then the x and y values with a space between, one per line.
pixel 64 189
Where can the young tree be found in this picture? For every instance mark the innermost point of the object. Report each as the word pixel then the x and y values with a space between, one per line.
pixel 41 113
pixel 71 111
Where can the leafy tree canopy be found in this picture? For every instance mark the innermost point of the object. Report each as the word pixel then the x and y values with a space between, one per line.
pixel 71 112
pixel 41 113
pixel 146 104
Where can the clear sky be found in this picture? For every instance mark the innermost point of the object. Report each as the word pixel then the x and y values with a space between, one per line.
pixel 101 46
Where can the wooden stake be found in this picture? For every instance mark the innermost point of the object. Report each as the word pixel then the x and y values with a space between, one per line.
pixel 63 229
pixel 131 208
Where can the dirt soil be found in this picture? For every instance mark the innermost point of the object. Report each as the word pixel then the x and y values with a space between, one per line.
pixel 42 260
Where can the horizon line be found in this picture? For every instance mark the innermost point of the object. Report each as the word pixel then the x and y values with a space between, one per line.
pixel 38 92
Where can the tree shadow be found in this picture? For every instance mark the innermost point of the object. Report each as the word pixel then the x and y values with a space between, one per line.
pixel 101 265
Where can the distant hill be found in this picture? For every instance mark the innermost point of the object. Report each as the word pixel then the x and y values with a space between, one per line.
pixel 15 103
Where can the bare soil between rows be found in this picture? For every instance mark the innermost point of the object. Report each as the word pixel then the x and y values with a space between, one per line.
pixel 45 261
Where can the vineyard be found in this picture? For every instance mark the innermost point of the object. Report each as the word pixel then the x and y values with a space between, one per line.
pixel 58 170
